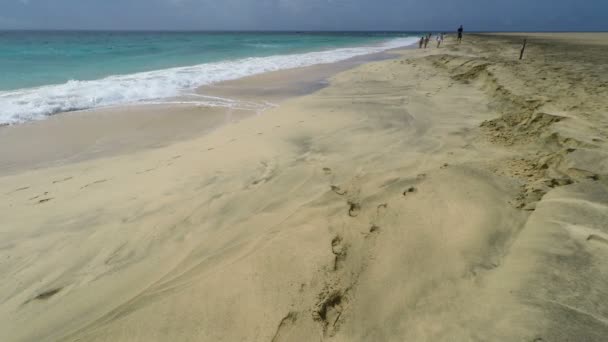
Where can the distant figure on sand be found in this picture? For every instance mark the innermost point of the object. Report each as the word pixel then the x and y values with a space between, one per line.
pixel 439 39
pixel 426 40
pixel 421 42
pixel 460 30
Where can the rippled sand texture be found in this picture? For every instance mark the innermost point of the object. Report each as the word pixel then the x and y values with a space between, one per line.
pixel 452 194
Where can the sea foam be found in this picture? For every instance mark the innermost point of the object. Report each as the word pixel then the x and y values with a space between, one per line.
pixel 22 105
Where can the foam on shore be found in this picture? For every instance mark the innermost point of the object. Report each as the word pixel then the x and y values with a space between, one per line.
pixel 22 105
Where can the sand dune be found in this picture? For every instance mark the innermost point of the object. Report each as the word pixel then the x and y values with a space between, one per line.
pixel 450 194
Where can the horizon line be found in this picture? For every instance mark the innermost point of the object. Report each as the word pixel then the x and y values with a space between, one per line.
pixel 285 31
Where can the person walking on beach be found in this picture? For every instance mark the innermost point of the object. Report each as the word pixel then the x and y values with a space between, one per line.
pixel 439 39
pixel 421 42
pixel 460 31
pixel 426 41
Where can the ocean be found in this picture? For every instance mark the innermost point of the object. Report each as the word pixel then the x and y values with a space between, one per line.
pixel 44 73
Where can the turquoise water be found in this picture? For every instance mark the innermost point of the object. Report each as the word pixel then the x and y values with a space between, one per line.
pixel 29 59
pixel 48 72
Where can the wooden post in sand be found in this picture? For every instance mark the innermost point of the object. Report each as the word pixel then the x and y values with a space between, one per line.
pixel 521 55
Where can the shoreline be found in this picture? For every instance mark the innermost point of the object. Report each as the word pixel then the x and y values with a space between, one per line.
pixel 116 130
pixel 446 194
pixel 27 104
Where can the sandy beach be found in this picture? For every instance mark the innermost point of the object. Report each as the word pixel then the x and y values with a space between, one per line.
pixel 109 131
pixel 452 194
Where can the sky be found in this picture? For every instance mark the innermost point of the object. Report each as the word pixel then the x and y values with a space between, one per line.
pixel 398 15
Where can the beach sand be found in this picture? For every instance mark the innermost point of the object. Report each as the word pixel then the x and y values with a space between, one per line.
pixel 452 194
pixel 79 136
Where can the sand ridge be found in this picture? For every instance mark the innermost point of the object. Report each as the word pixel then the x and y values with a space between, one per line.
pixel 447 195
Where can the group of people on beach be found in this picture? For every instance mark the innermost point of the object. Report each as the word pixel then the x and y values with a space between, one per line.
pixel 424 40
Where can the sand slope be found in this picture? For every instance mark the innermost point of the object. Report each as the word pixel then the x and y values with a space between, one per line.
pixel 447 195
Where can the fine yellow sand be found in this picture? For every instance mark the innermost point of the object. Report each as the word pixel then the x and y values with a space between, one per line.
pixel 452 194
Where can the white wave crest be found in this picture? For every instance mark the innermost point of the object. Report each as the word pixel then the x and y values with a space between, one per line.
pixel 36 103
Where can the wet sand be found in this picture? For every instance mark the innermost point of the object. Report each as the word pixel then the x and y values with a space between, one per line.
pixel 78 136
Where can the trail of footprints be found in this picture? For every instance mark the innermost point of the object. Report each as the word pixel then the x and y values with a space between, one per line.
pixel 44 197
pixel 340 279
pixel 40 200
pixel 66 179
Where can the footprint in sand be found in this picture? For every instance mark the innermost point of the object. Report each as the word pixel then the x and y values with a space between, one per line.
pixel 17 190
pixel 37 197
pixel 145 171
pixel 354 209
pixel 339 249
pixel 46 294
pixel 327 170
pixel 329 309
pixel 62 180
pixel 410 190
pixel 338 190
pixel 94 183
pixel 380 212
pixel 381 209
